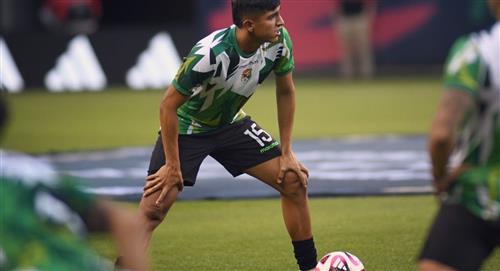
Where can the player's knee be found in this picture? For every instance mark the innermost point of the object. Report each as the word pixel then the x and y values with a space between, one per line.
pixel 154 215
pixel 292 186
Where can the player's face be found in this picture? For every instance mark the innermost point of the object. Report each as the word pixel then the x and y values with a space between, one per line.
pixel 267 25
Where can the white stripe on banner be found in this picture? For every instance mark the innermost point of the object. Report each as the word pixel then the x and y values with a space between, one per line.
pixel 10 77
pixel 116 190
pixel 328 165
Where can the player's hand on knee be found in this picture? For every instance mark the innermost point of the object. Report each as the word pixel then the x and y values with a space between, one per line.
pixel 304 170
pixel 164 179
pixel 443 184
pixel 290 163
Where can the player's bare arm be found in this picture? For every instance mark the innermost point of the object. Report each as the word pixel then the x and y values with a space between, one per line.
pixel 450 113
pixel 120 224
pixel 170 174
pixel 285 98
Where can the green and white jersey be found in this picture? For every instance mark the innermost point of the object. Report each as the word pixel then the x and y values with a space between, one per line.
pixel 219 78
pixel 42 219
pixel 474 67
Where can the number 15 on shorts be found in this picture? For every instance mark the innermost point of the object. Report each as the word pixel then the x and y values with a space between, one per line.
pixel 258 135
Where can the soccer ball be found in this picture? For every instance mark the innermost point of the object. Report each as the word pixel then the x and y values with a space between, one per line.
pixel 339 261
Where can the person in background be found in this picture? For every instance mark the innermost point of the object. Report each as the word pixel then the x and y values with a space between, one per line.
pixel 45 219
pixel 71 16
pixel 464 146
pixel 353 24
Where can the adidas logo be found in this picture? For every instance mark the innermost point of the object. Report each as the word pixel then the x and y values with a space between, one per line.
pixel 10 78
pixel 156 66
pixel 76 69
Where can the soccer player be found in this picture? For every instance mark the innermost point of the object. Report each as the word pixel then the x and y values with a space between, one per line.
pixel 201 115
pixel 465 136
pixel 44 219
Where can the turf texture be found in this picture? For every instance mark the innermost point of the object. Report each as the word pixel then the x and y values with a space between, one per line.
pixel 43 122
pixel 386 233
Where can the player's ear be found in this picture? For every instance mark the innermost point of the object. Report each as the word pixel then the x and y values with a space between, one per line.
pixel 248 24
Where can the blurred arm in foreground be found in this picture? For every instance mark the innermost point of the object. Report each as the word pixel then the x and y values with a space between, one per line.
pixel 45 219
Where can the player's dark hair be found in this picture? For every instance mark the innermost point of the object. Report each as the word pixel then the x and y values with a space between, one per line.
pixel 249 7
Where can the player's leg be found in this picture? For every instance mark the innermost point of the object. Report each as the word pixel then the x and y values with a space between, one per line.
pixel 151 215
pixel 295 209
pixel 246 148
pixel 294 198
pixel 192 151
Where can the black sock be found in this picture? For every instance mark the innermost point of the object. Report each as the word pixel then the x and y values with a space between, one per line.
pixel 305 253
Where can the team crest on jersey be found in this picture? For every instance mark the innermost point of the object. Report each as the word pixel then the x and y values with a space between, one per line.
pixel 246 74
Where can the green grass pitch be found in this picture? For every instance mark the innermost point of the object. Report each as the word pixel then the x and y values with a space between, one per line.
pixel 43 122
pixel 384 232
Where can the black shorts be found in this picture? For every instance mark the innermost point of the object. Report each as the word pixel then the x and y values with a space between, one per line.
pixel 237 147
pixel 460 239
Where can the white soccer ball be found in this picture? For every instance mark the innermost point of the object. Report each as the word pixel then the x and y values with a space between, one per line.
pixel 340 261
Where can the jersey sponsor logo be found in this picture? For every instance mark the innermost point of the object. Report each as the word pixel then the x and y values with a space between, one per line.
pixel 76 69
pixel 246 74
pixel 10 77
pixel 157 65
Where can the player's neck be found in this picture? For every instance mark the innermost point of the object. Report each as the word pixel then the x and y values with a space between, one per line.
pixel 246 42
